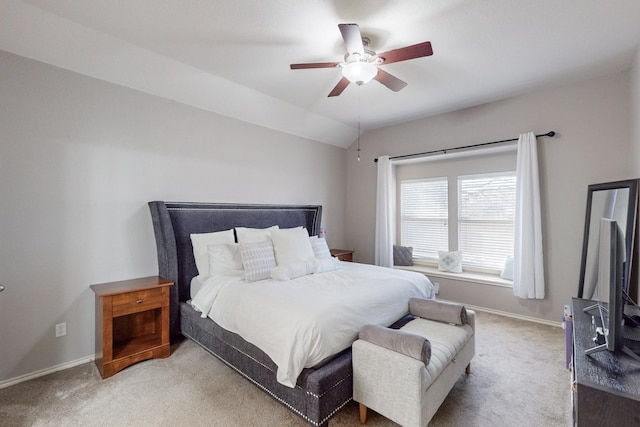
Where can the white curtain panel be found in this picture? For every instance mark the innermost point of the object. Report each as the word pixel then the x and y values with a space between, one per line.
pixel 528 266
pixel 385 203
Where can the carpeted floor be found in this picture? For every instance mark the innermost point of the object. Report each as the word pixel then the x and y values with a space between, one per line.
pixel 518 378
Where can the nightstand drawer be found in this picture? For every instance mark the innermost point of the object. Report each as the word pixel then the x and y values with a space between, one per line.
pixel 133 302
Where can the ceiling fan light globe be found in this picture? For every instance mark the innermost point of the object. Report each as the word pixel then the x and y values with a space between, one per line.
pixel 359 72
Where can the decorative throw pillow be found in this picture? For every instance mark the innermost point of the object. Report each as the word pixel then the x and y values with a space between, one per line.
pixel 407 343
pixel 326 264
pixel 258 260
pixel 225 259
pixel 442 311
pixel 294 270
pixel 320 247
pixel 450 261
pixel 200 243
pixel 402 255
pixel 507 270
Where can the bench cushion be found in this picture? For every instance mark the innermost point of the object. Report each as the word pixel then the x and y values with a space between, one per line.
pixel 446 341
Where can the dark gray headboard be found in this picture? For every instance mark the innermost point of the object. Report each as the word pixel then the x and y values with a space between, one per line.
pixel 173 222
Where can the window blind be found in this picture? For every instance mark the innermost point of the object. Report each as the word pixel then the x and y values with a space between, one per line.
pixel 424 217
pixel 486 213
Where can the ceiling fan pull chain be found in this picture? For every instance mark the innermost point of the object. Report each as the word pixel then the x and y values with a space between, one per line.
pixel 358 150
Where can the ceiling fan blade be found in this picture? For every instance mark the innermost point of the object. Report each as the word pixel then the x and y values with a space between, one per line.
pixel 390 81
pixel 409 52
pixel 352 38
pixel 342 84
pixel 314 65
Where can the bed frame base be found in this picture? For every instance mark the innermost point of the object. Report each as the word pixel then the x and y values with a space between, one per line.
pixel 318 395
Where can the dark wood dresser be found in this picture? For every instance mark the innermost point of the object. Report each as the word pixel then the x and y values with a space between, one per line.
pixel 606 386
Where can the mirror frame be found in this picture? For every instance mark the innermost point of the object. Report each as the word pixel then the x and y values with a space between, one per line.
pixel 632 185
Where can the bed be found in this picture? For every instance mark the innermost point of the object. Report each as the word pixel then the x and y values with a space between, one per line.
pixel 317 392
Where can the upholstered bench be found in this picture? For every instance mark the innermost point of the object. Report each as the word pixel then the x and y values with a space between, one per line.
pixel 406 374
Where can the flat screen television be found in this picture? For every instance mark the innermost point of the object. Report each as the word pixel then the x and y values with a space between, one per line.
pixel 610 293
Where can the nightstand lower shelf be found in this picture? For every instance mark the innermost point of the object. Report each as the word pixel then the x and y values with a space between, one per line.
pixel 138 344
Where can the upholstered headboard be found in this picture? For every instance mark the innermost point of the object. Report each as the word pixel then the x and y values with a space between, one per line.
pixel 174 222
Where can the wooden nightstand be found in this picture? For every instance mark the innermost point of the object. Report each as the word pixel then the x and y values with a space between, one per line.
pixel 342 254
pixel 132 322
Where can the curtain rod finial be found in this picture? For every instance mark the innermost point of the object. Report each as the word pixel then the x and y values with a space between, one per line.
pixel 551 134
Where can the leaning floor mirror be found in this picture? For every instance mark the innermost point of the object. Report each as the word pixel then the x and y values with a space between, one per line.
pixel 616 201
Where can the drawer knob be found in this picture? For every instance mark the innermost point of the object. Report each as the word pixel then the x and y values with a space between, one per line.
pixel 139 301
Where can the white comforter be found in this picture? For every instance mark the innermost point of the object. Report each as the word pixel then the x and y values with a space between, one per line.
pixel 301 322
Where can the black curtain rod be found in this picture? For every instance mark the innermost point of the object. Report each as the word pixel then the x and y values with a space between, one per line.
pixel 445 150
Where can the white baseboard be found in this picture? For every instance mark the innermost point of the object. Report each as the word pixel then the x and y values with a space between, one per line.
pixel 42 372
pixel 515 316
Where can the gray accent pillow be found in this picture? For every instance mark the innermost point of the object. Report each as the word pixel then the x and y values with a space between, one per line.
pixel 403 342
pixel 402 255
pixel 441 311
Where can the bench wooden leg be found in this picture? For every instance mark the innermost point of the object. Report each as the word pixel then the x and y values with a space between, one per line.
pixel 468 369
pixel 363 414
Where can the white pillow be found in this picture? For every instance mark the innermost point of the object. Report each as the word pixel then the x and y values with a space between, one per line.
pixel 320 247
pixel 326 264
pixel 201 241
pixel 291 245
pixel 258 260
pixel 450 261
pixel 293 270
pixel 252 235
pixel 507 270
pixel 225 259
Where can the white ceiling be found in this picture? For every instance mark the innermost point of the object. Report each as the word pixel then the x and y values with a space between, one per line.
pixel 233 56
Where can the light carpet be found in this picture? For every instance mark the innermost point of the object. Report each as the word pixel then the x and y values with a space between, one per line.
pixel 518 378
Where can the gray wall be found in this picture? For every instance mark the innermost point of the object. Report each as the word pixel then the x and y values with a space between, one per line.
pixel 79 160
pixel 592 120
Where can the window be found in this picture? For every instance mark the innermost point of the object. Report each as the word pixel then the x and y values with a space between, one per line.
pixel 486 213
pixel 424 216
pixel 477 218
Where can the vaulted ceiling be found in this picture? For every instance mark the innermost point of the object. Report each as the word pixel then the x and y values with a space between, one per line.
pixel 232 56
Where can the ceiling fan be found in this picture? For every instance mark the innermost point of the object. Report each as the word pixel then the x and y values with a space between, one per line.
pixel 361 63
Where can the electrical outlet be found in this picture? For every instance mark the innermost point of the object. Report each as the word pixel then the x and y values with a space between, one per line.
pixel 61 329
pixel 567 310
pixel 436 286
